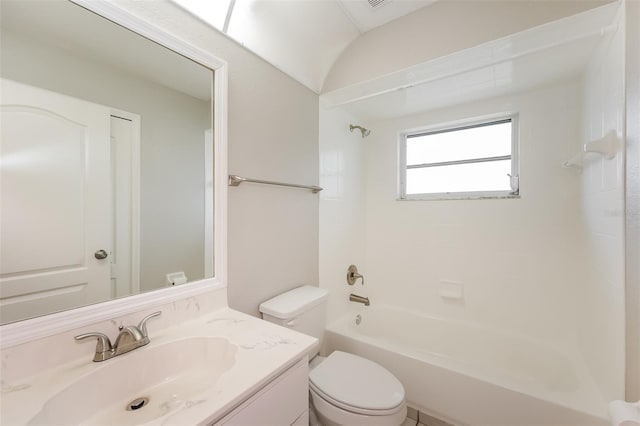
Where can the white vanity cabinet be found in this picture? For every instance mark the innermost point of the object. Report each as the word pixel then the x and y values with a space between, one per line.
pixel 284 401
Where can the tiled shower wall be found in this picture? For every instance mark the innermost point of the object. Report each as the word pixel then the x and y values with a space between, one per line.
pixel 342 211
pixel 601 313
pixel 513 259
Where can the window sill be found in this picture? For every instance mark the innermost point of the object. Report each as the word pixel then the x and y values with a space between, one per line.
pixel 460 196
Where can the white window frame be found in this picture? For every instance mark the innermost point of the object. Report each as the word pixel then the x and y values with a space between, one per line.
pixel 461 125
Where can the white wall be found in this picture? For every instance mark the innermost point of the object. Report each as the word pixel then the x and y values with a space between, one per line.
pixel 632 202
pixel 601 314
pixel 273 134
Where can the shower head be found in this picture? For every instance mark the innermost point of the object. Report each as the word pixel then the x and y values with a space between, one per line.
pixel 365 132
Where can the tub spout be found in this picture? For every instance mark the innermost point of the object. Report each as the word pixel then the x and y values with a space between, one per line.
pixel 359 299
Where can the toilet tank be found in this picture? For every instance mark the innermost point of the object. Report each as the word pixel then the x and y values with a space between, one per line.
pixel 301 309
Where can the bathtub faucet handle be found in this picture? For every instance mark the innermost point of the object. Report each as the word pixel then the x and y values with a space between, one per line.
pixel 353 275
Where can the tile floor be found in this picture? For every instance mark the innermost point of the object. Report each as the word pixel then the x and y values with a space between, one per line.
pixel 412 419
pixel 418 418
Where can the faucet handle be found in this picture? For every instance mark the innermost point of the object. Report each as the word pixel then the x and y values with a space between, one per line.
pixel 103 346
pixel 143 322
pixel 353 275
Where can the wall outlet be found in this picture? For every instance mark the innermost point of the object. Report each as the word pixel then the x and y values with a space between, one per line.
pixel 176 278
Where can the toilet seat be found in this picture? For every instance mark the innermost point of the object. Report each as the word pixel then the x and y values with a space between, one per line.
pixel 357 385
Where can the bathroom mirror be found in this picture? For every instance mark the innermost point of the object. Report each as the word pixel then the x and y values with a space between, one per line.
pixel 107 161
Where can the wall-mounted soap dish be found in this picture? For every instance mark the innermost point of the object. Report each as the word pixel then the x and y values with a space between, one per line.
pixel 607 146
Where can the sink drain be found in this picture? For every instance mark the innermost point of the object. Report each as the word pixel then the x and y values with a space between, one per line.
pixel 137 403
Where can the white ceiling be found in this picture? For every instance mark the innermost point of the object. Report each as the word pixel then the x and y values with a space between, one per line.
pixel 303 38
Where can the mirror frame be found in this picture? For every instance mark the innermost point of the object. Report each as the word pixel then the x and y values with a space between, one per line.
pixel 35 328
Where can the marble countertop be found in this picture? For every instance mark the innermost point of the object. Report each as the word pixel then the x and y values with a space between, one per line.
pixel 263 352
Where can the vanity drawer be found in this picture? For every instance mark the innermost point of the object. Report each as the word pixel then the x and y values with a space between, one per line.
pixel 281 402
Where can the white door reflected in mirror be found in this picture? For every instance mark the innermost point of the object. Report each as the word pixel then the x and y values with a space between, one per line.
pixel 55 202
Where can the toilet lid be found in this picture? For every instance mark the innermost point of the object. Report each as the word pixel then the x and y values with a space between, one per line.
pixel 357 382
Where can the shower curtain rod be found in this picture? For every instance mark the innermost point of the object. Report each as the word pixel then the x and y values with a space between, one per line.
pixel 235 180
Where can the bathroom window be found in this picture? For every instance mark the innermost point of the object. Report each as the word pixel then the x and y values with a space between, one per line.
pixel 477 159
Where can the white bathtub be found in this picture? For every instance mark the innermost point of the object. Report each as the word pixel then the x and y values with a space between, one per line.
pixel 470 375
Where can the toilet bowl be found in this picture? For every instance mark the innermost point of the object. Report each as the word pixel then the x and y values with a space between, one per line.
pixel 345 389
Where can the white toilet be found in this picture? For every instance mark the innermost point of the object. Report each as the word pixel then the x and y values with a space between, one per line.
pixel 345 389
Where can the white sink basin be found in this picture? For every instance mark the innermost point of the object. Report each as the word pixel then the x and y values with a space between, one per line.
pixel 171 376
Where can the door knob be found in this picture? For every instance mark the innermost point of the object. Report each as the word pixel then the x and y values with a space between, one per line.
pixel 101 254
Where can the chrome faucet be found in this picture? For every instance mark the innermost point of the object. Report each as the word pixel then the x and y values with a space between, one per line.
pixel 129 338
pixel 359 299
